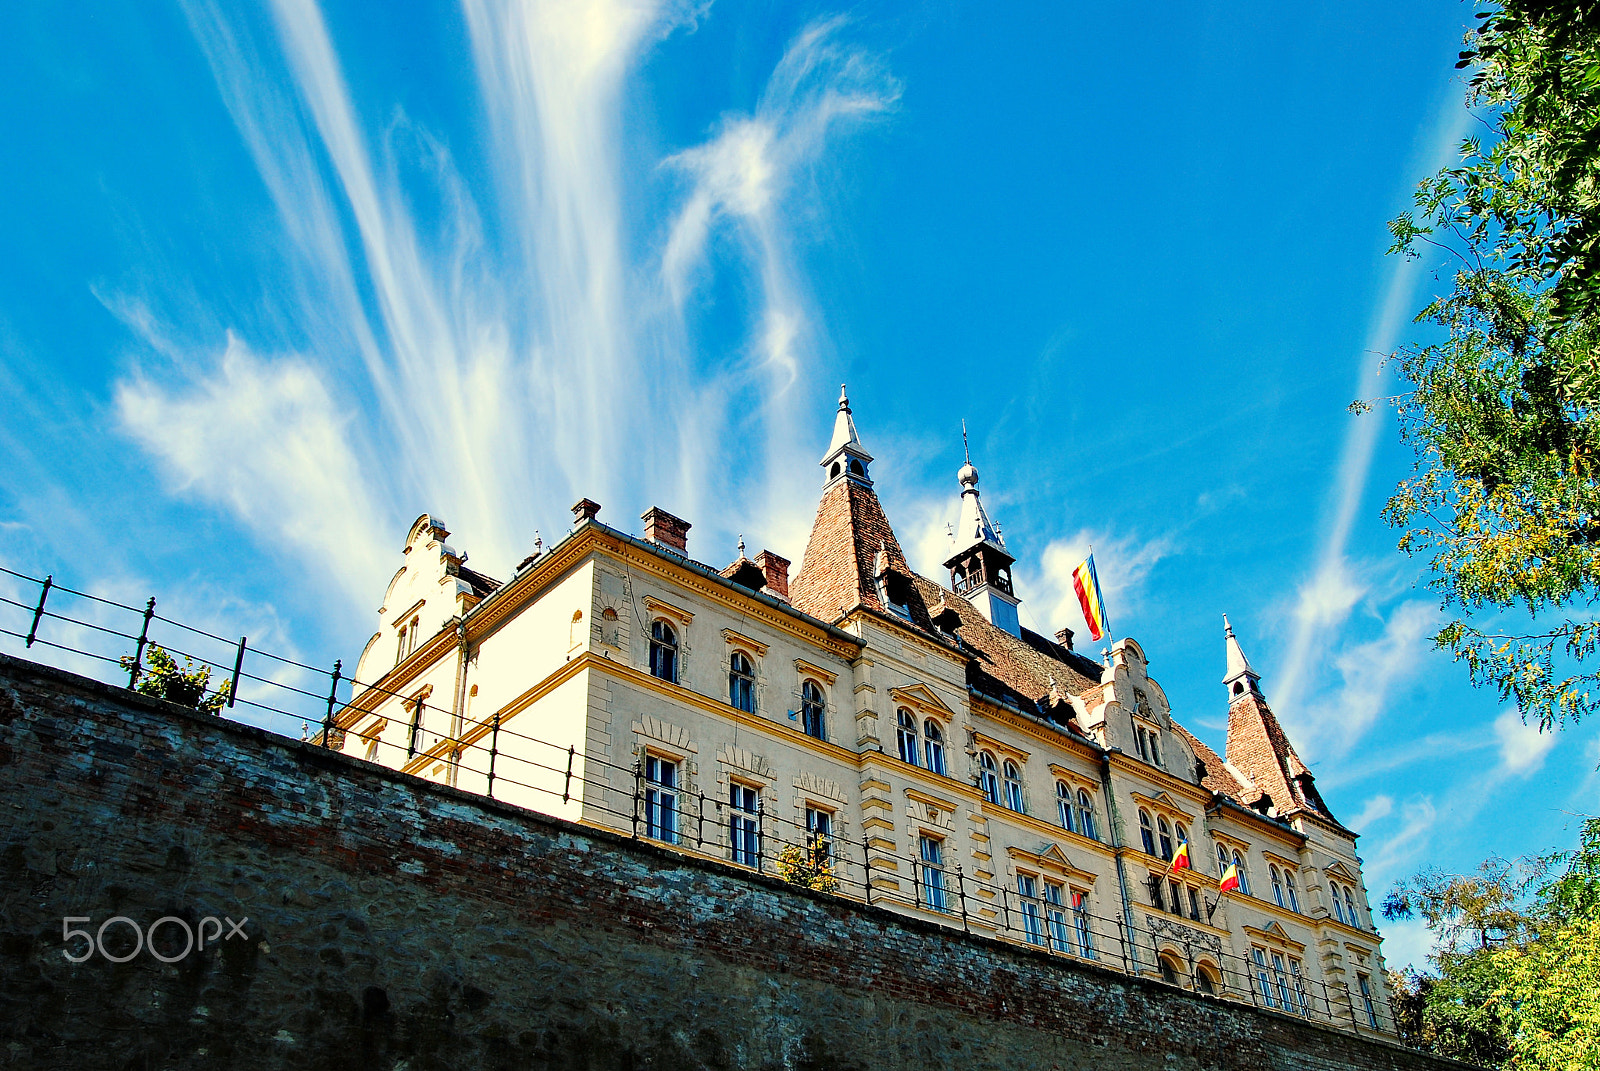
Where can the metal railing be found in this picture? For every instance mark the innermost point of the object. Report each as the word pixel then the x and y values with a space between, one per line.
pixel 490 752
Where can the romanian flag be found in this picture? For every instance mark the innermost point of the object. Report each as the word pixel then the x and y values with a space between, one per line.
pixel 1230 878
pixel 1087 585
pixel 1180 861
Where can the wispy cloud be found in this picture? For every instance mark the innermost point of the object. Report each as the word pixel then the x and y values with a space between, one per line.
pixel 1369 673
pixel 438 367
pixel 1522 746
pixel 1123 562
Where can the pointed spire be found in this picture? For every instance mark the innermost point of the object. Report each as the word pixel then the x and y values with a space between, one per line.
pixel 844 425
pixel 1240 677
pixel 846 457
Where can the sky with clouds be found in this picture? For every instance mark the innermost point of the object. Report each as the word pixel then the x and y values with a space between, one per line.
pixel 284 275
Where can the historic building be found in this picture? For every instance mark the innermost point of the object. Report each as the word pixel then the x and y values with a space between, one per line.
pixel 909 734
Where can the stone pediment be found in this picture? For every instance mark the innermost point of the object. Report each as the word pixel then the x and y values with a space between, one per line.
pixel 1339 872
pixel 920 695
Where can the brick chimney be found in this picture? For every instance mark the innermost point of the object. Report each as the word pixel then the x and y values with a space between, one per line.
pixel 663 529
pixel 777 569
pixel 1064 638
pixel 584 510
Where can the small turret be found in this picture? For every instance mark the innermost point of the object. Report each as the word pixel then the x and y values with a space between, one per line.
pixel 846 459
pixel 1240 678
pixel 980 568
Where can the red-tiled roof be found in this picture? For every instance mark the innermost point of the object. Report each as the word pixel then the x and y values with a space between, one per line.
pixel 1259 748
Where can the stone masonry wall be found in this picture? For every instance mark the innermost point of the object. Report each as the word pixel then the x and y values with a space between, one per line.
pixel 394 923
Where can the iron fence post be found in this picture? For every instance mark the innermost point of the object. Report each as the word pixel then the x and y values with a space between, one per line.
pixel 38 611
pixel 238 664
pixel 638 791
pixel 1122 945
pixel 333 697
pixel 144 637
pixel 700 823
pixel 961 890
pixel 494 750
pixel 566 788
pixel 866 866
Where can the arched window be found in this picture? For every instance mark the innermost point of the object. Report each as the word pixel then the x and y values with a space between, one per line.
pixel 988 782
pixel 1350 907
pixel 907 736
pixel 1013 786
pixel 1288 888
pixel 1147 833
pixel 811 709
pixel 1064 805
pixel 1208 978
pixel 1171 969
pixel 1277 885
pixel 1166 838
pixel 1222 860
pixel 416 627
pixel 400 651
pixel 1183 838
pixel 1155 748
pixel 1086 815
pixel 741 683
pixel 1244 878
pixel 664 652
pixel 933 746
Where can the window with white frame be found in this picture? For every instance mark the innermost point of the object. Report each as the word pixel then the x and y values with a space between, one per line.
pixel 741 683
pixel 1289 890
pixel 1222 859
pixel 1147 833
pixel 933 746
pixel 931 874
pixel 988 778
pixel 416 630
pixel 400 646
pixel 1064 805
pixel 663 651
pixel 1298 977
pixel 1264 986
pixel 1013 778
pixel 1350 907
pixel 907 736
pixel 1165 832
pixel 1277 884
pixel 1032 918
pixel 819 833
pixel 660 799
pixel 1334 892
pixel 1086 815
pixel 1080 919
pixel 1055 916
pixel 1364 983
pixel 744 823
pixel 812 709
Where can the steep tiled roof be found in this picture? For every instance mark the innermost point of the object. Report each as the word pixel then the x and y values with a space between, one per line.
pixel 846 538
pixel 1259 748
pixel 1217 776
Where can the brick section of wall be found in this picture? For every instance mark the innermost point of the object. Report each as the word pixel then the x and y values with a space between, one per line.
pixel 396 923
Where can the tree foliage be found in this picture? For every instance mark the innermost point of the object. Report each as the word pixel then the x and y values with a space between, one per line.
pixel 161 676
pixel 1504 411
pixel 1516 979
pixel 808 865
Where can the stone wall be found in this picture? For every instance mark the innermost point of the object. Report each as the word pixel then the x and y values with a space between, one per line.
pixel 397 923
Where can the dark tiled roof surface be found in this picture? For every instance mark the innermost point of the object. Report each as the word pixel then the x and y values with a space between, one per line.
pixel 1258 746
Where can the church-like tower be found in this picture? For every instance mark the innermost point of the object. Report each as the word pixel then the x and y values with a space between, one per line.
pixel 980 568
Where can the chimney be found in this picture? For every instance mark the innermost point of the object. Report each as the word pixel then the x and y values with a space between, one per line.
pixel 777 569
pixel 584 511
pixel 665 530
pixel 1064 638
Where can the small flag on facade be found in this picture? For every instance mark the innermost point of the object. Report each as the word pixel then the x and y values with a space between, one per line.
pixel 1230 878
pixel 1087 584
pixel 1180 861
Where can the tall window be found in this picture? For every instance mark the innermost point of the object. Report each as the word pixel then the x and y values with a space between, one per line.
pixel 1222 860
pixel 1147 833
pixel 933 887
pixel 1194 904
pixel 664 651
pixel 1032 921
pixel 1297 976
pixel 1365 985
pixel 741 683
pixel 1338 905
pixel 811 709
pixel 1169 969
pixel 1064 805
pixel 660 799
pixel 1244 878
pixel 1277 885
pixel 1289 891
pixel 1080 918
pixel 819 834
pixel 1166 838
pixel 1157 891
pixel 907 736
pixel 1207 978
pixel 400 649
pixel 744 824
pixel 1281 976
pixel 988 780
pixel 1138 742
pixel 1086 815
pixel 1155 748
pixel 1350 907
pixel 1264 976
pixel 1055 914
pixel 933 745
pixel 1013 786
pixel 1177 897
pixel 416 629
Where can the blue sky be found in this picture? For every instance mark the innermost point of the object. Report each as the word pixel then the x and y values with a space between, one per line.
pixel 283 276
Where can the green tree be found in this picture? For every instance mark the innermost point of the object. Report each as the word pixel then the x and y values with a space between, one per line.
pixel 1516 967
pixel 163 678
pixel 1503 407
pixel 808 865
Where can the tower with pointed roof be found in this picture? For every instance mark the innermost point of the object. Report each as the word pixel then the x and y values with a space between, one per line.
pixel 980 567
pixel 1279 782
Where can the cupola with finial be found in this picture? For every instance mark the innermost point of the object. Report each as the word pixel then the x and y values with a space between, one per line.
pixel 1240 679
pixel 980 568
pixel 846 459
